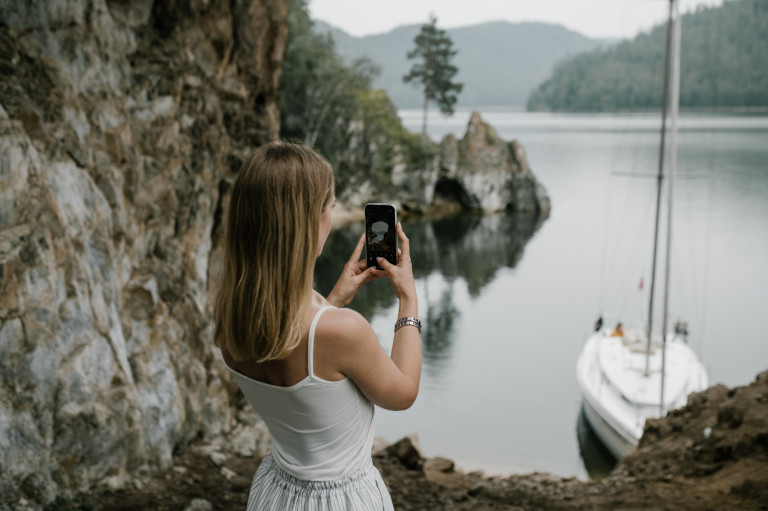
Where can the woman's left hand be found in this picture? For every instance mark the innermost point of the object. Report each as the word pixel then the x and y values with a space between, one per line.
pixel 353 276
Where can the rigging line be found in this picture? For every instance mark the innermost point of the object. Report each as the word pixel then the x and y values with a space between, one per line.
pixel 608 255
pixel 633 264
pixel 696 225
pixel 644 259
pixel 684 251
pixel 664 106
pixel 707 253
pixel 615 267
pixel 683 287
pixel 607 218
pixel 675 105
pixel 717 35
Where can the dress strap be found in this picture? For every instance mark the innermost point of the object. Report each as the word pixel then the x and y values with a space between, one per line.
pixel 311 343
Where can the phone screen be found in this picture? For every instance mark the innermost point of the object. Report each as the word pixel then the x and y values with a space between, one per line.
pixel 380 236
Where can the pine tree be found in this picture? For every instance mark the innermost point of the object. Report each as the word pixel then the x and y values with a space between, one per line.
pixel 433 70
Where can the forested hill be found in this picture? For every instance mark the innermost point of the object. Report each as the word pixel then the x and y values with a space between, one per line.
pixel 499 63
pixel 724 64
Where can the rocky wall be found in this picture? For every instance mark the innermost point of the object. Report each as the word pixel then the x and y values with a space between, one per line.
pixel 483 172
pixel 121 123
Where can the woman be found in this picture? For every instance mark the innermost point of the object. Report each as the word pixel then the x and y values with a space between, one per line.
pixel 312 369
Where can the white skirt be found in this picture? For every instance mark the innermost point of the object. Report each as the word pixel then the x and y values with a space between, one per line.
pixel 273 489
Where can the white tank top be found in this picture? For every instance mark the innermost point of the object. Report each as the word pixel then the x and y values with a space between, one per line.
pixel 321 430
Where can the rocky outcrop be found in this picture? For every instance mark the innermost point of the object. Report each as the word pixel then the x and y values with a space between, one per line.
pixel 482 171
pixel 120 125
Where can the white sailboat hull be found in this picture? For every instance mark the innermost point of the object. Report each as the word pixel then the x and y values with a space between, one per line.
pixel 619 396
pixel 617 442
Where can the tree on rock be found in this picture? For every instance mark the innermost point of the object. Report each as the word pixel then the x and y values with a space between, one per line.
pixel 433 70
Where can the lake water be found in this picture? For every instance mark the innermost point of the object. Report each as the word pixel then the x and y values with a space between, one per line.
pixel 508 300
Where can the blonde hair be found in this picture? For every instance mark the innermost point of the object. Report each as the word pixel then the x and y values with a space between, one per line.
pixel 270 246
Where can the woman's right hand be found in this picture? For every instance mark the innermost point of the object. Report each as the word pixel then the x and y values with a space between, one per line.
pixel 400 274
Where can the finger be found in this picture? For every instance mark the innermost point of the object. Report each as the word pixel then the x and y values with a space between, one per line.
pixel 376 273
pixel 370 274
pixel 404 243
pixel 385 265
pixel 358 250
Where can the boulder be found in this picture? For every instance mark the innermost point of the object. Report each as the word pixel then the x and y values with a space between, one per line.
pixel 408 452
pixel 483 172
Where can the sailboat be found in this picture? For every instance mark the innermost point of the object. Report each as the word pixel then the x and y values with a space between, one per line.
pixel 627 377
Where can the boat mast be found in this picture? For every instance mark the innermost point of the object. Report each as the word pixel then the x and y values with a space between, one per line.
pixel 659 183
pixel 672 169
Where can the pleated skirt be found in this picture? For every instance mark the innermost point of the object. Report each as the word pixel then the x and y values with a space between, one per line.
pixel 273 489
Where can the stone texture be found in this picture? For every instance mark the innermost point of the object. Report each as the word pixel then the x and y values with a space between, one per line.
pixel 408 452
pixel 121 124
pixel 480 172
pixel 199 505
pixel 483 172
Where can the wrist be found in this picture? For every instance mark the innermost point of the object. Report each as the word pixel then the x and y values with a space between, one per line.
pixel 409 306
pixel 407 294
pixel 332 299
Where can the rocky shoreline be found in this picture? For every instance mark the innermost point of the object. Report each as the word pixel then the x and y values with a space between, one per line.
pixel 711 454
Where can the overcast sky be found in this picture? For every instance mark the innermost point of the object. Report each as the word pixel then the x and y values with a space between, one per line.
pixel 593 18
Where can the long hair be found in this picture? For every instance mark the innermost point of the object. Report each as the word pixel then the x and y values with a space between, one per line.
pixel 270 246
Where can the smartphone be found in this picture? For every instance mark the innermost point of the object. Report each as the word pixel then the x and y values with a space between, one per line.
pixel 380 236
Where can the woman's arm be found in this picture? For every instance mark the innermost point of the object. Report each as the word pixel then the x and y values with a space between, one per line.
pixel 345 341
pixel 351 346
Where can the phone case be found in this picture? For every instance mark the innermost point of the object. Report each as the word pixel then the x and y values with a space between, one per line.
pixel 380 235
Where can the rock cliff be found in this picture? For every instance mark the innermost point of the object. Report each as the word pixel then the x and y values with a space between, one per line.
pixel 482 171
pixel 120 126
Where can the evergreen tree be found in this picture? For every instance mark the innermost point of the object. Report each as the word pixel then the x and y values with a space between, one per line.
pixel 319 92
pixel 433 70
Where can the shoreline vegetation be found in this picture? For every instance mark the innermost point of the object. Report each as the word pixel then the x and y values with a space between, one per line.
pixel 721 49
pixel 710 454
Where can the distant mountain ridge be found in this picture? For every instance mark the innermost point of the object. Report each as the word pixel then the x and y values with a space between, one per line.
pixel 723 64
pixel 499 62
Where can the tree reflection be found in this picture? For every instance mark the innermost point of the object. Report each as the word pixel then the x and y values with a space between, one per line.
pixel 439 318
pixel 468 247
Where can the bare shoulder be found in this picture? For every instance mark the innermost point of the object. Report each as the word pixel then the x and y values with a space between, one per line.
pixel 342 326
pixel 343 338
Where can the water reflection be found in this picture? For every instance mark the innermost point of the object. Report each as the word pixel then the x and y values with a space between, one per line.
pixel 440 316
pixel 469 247
pixel 598 461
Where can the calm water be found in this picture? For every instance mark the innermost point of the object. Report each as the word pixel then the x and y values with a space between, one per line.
pixel 508 300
